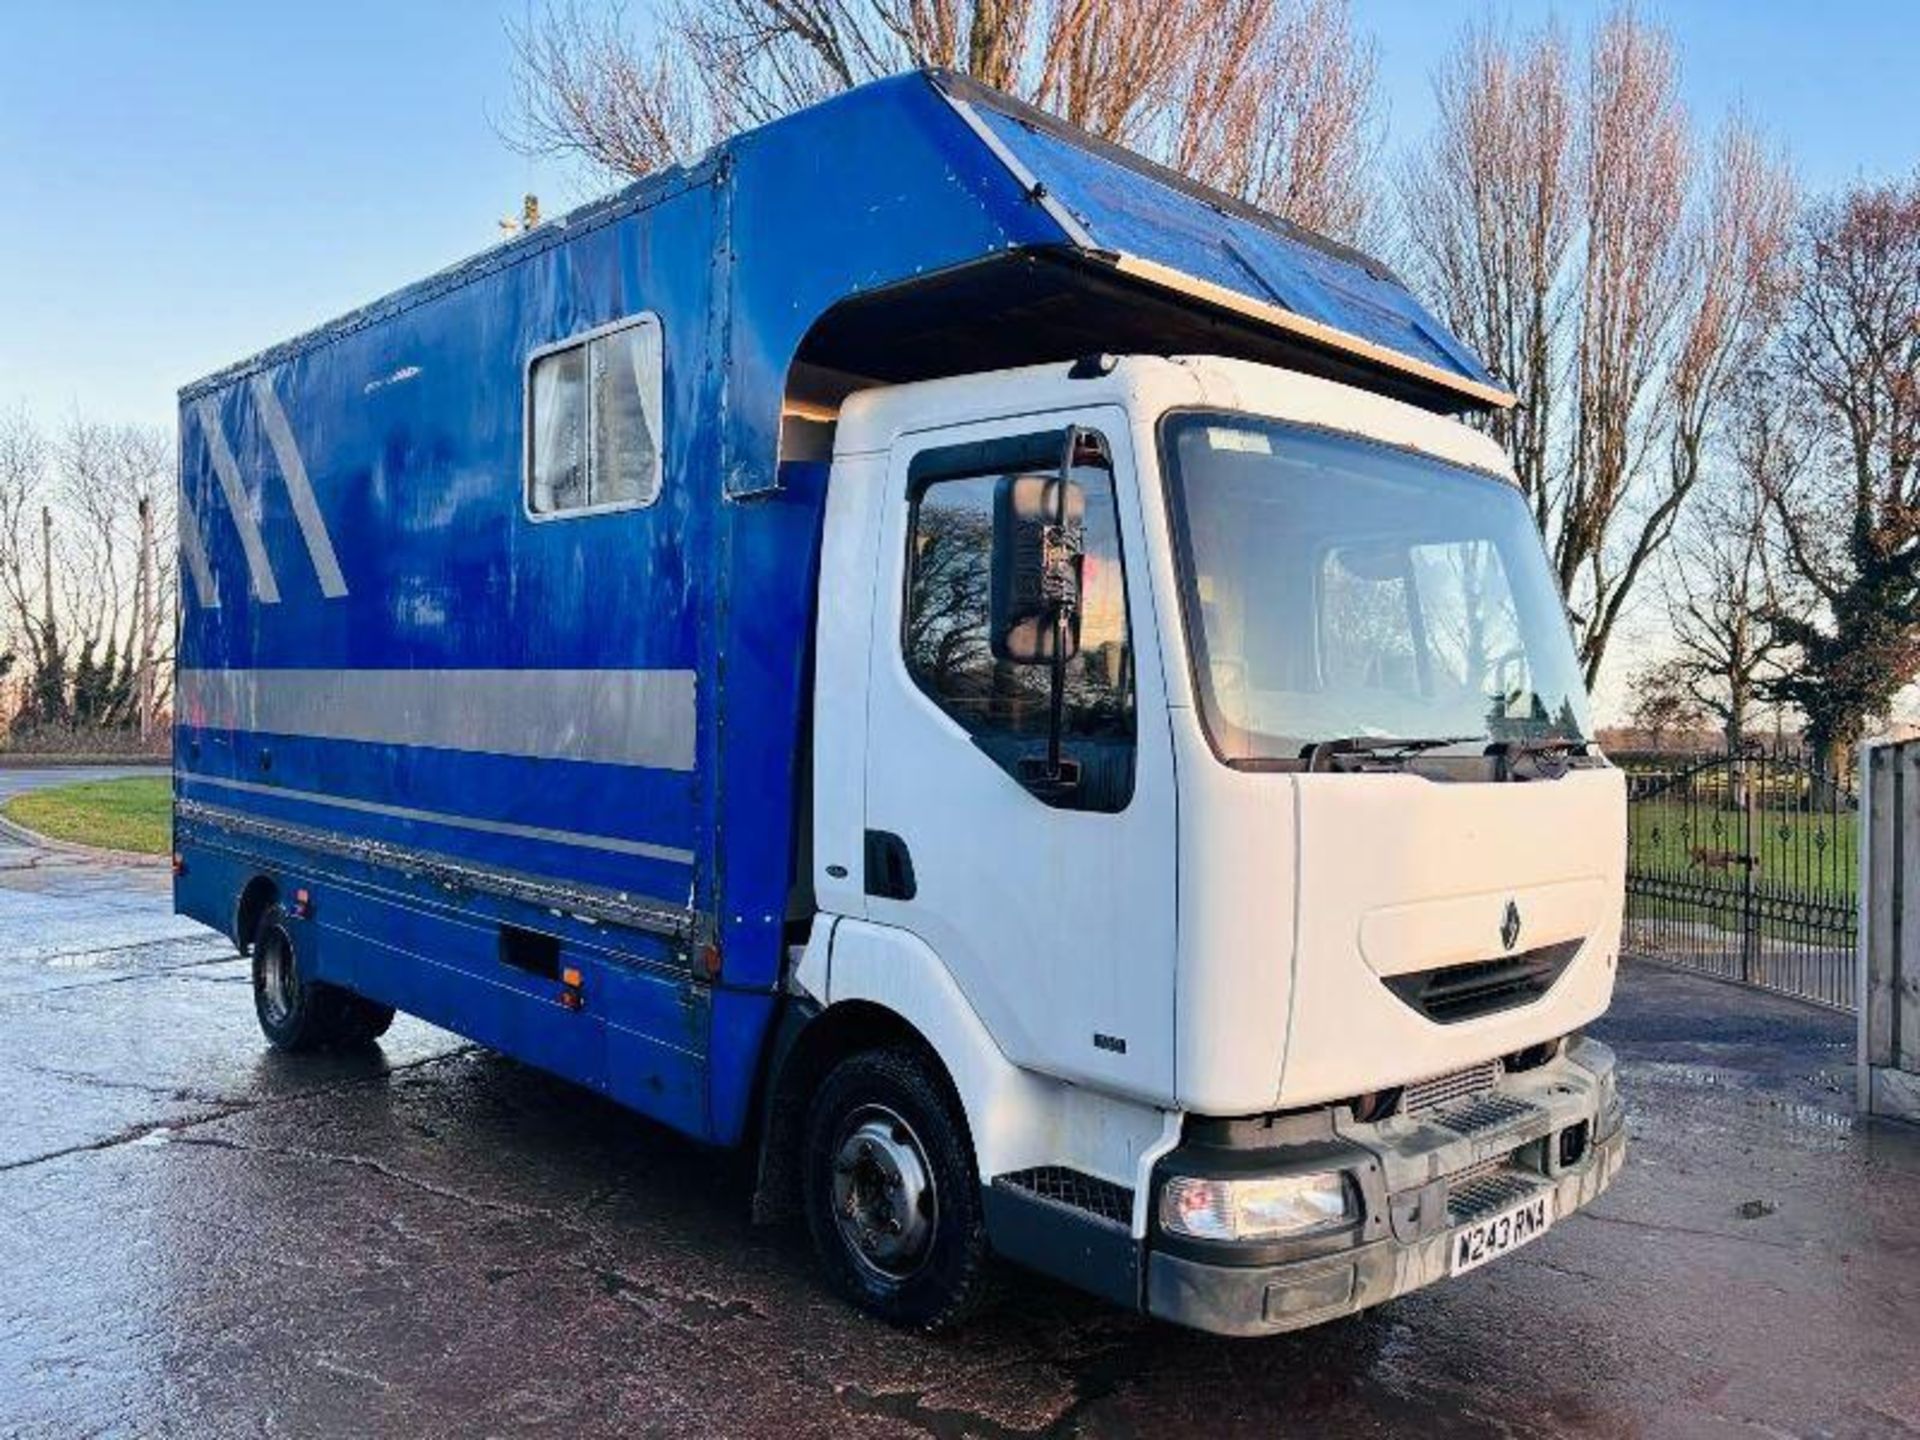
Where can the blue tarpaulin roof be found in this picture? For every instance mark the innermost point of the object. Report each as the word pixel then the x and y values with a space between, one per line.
pixel 1153 221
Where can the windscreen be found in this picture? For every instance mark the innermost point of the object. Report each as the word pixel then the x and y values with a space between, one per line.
pixel 1336 588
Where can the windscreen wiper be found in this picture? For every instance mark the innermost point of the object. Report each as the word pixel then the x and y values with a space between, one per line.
pixel 1540 745
pixel 1322 755
pixel 1552 754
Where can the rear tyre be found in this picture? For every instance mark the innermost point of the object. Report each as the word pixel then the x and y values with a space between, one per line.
pixel 297 1013
pixel 893 1194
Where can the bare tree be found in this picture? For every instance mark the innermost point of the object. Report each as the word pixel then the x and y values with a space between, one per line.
pixel 1665 707
pixel 587 91
pixel 1270 99
pixel 1489 210
pixel 1277 106
pixel 1659 385
pixel 1634 175
pixel 24 463
pixel 94 494
pixel 1852 521
pixel 1570 239
pixel 85 529
pixel 1722 583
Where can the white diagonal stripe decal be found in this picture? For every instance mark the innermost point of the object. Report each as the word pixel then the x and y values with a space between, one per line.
pixel 194 547
pixel 258 568
pixel 313 527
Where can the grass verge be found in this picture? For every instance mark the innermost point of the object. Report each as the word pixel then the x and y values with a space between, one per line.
pixel 130 814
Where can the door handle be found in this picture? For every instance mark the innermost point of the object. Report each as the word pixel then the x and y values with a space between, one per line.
pixel 889 867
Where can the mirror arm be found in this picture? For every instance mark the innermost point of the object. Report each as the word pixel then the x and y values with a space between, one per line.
pixel 1057 699
pixel 1057 668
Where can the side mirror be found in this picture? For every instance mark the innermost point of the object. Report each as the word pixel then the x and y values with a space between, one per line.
pixel 1038 534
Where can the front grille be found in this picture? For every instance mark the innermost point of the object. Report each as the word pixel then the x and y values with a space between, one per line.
pixel 1483 1113
pixel 1074 1189
pixel 1474 1172
pixel 1479 1192
pixel 1445 1089
pixel 1454 993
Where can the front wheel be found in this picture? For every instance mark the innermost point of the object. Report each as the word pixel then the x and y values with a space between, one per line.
pixel 297 1013
pixel 892 1193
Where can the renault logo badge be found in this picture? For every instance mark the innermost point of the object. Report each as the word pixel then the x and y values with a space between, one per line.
pixel 1510 926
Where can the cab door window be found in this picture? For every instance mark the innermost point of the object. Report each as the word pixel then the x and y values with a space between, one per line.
pixel 1003 704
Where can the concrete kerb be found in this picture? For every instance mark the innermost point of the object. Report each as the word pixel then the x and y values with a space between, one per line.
pixel 20 834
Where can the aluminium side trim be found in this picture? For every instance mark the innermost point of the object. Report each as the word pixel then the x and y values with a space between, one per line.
pixel 634 912
pixel 611 844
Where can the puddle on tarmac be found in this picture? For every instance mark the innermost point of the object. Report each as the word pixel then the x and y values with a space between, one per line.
pixel 86 960
pixel 1816 1116
pixel 1705 1077
pixel 1823 1119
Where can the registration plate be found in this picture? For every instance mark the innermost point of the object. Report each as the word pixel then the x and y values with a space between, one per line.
pixel 1474 1245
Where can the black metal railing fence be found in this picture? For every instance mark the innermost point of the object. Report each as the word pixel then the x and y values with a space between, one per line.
pixel 1745 865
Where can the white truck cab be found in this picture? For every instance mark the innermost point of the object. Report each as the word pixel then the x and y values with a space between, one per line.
pixel 1134 816
pixel 1227 822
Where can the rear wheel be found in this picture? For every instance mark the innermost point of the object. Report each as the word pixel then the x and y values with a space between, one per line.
pixel 297 1013
pixel 892 1194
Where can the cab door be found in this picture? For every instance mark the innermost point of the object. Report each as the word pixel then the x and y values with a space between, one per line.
pixel 1048 894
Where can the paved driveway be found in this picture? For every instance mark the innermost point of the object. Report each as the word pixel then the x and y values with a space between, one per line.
pixel 201 1238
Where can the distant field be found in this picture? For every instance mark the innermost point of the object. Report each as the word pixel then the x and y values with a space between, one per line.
pixel 1797 851
pixel 129 814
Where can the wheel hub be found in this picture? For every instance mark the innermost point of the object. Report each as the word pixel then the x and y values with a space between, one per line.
pixel 277 979
pixel 883 1193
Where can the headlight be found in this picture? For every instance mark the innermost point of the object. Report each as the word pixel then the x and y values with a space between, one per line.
pixel 1264 1207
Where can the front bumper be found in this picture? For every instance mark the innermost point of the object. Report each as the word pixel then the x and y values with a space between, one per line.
pixel 1412 1174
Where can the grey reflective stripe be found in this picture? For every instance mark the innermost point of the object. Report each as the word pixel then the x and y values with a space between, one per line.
pixel 313 528
pixel 608 717
pixel 194 547
pixel 228 473
pixel 608 843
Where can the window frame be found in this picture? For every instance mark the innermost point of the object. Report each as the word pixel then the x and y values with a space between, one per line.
pixel 582 341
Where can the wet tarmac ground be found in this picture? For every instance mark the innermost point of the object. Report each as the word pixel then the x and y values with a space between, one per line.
pixel 200 1238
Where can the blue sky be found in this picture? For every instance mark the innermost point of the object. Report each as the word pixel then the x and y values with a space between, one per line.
pixel 188 182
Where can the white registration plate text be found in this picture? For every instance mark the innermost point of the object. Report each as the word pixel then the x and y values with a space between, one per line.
pixel 1474 1245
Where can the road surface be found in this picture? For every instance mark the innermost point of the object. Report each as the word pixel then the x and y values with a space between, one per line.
pixel 201 1238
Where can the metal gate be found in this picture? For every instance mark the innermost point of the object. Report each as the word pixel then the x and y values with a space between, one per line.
pixel 1745 866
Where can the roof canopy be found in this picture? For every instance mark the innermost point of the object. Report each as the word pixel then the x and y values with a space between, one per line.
pixel 1146 221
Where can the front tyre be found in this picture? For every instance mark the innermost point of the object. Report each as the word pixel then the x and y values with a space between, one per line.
pixel 892 1193
pixel 297 1013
